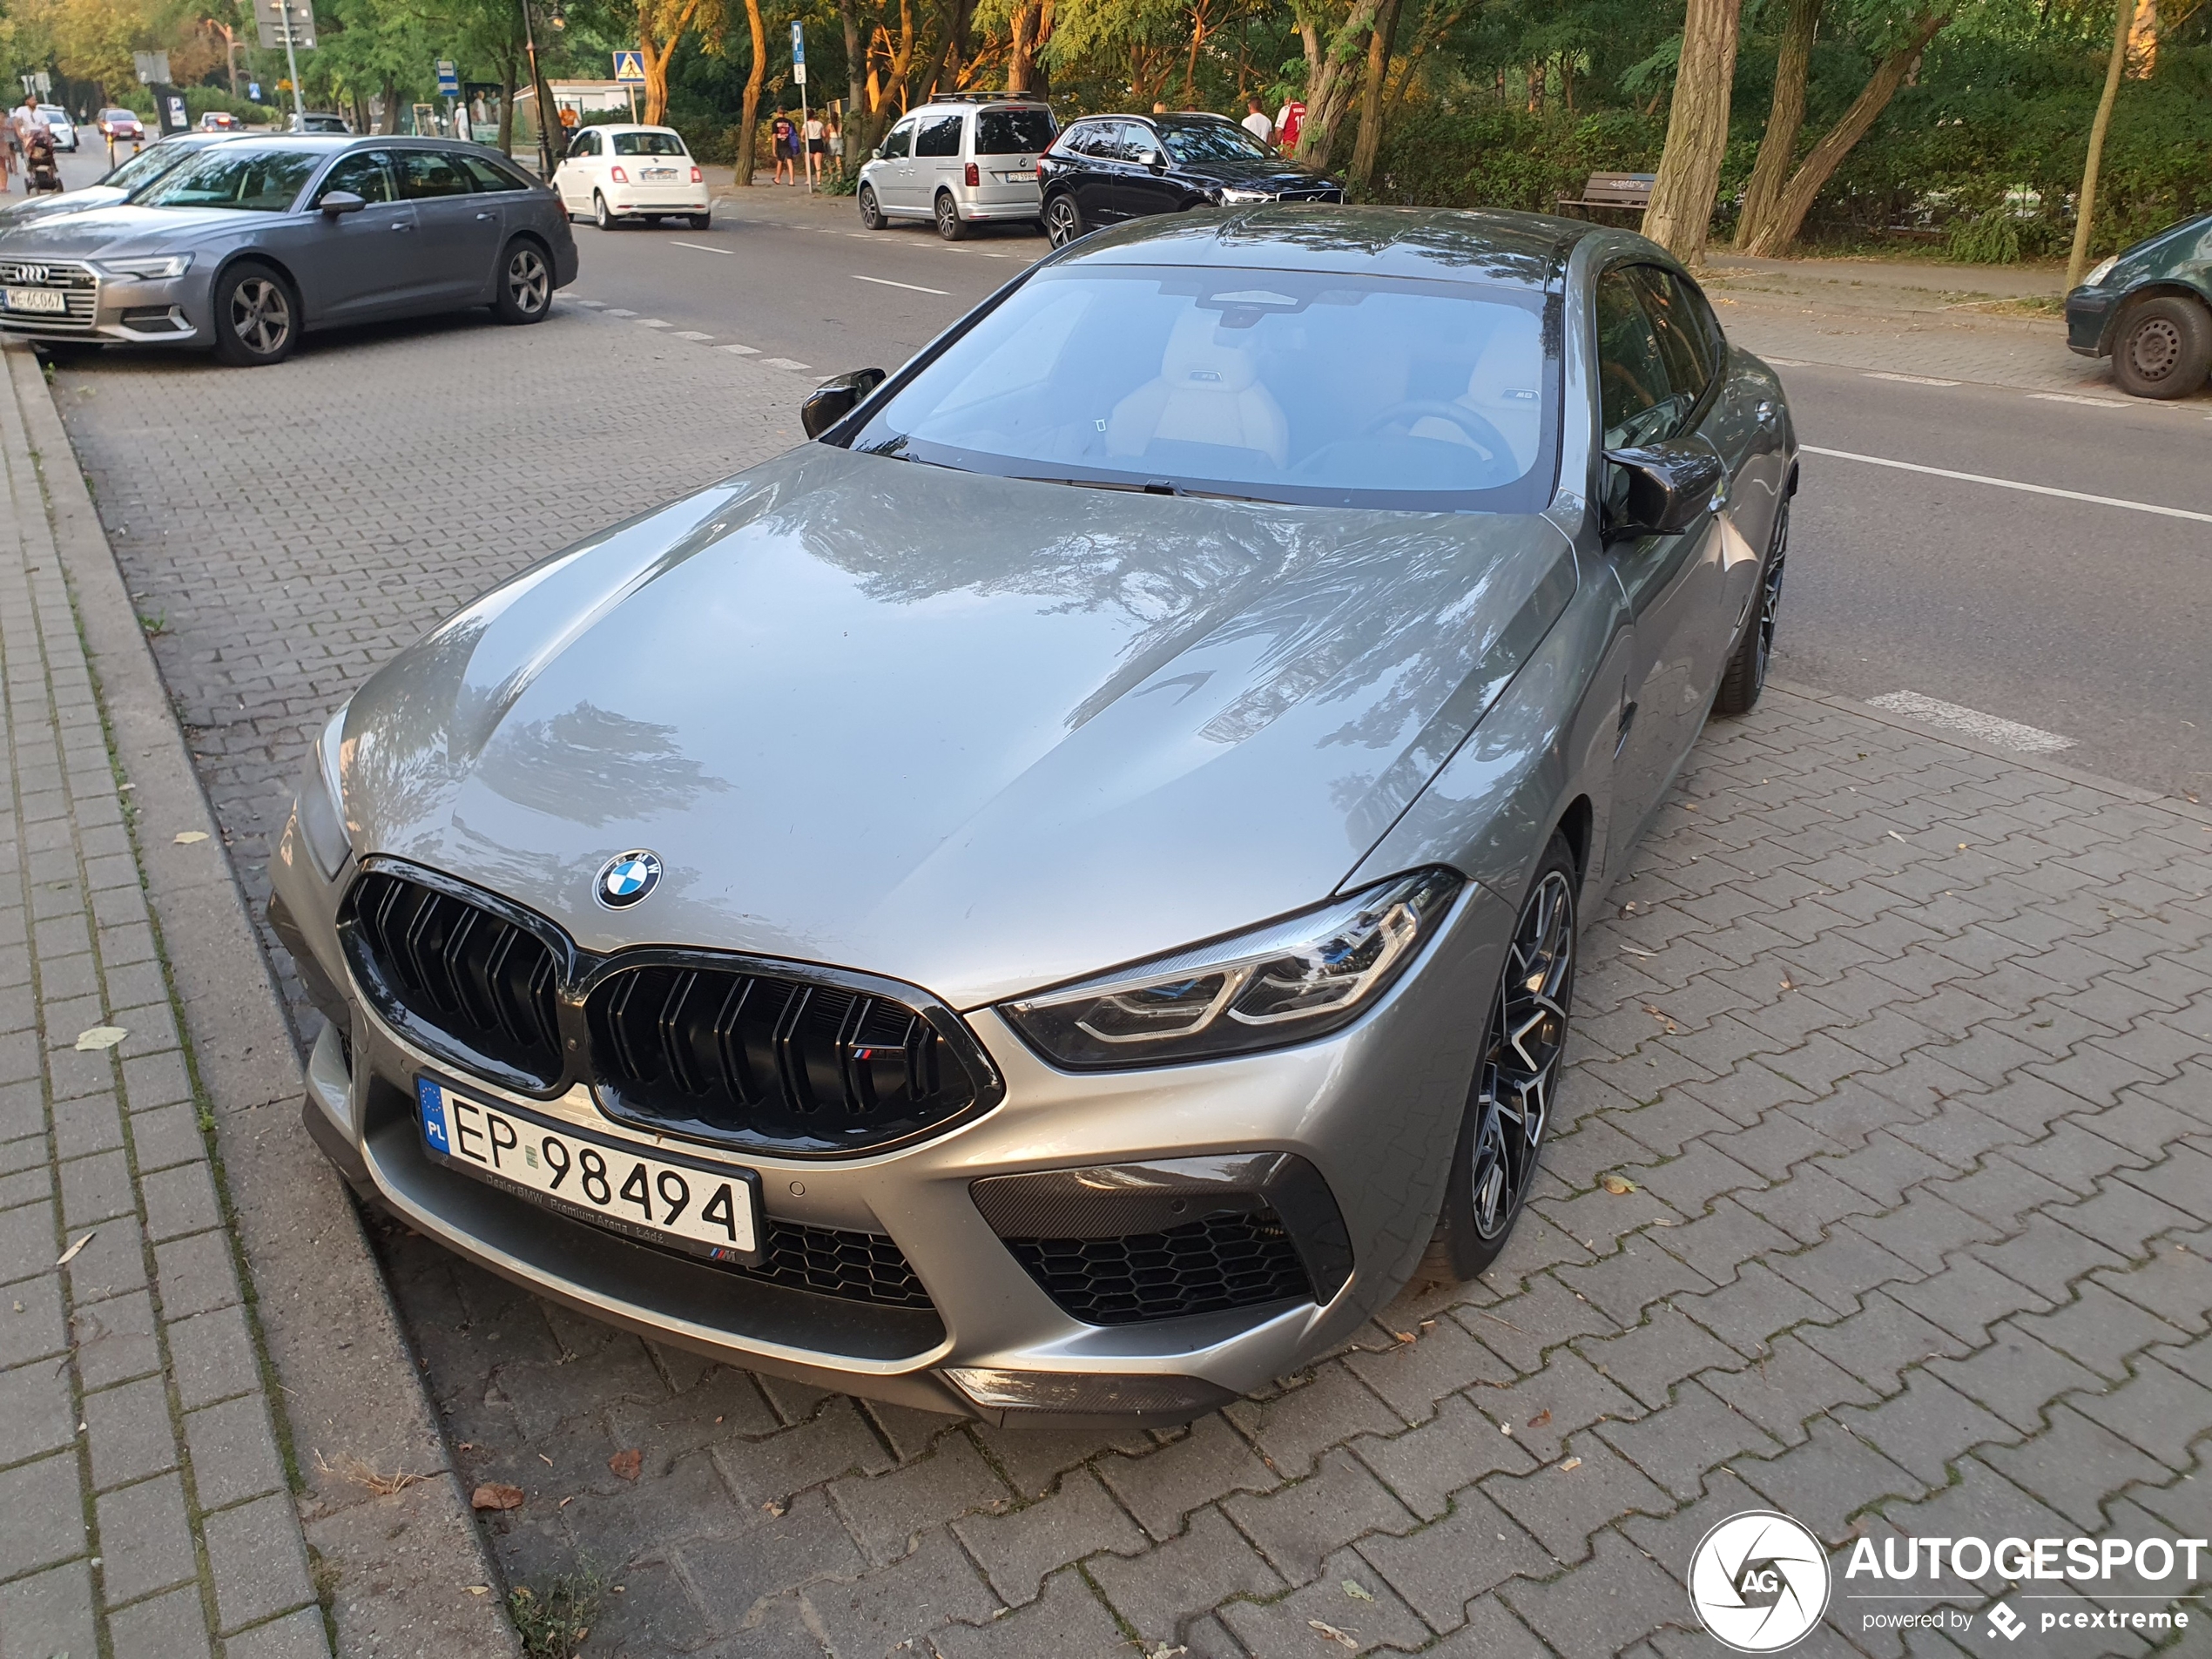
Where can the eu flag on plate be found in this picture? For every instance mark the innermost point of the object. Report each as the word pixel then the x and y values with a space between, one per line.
pixel 434 1114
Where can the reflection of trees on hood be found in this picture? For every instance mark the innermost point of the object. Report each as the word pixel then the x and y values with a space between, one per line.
pixel 594 767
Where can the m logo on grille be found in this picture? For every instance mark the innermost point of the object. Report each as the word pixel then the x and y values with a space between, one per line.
pixel 626 878
pixel 24 274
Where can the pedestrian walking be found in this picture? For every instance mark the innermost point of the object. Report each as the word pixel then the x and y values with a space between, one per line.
pixel 817 147
pixel 1256 122
pixel 835 139
pixel 783 140
pixel 1288 120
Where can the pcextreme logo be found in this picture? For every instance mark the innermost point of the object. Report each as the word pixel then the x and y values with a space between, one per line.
pixel 1759 1581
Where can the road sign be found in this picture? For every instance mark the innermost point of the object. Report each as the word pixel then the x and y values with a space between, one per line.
pixel 277 18
pixel 798 73
pixel 797 45
pixel 153 68
pixel 253 90
pixel 630 69
pixel 448 78
pixel 40 82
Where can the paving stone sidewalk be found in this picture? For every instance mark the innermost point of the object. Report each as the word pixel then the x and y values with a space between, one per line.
pixel 144 1512
pixel 1905 1047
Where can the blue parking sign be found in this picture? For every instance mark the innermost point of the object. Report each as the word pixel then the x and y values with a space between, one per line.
pixel 253 90
pixel 797 42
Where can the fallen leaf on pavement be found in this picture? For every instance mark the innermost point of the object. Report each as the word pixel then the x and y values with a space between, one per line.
pixel 69 1255
pixel 1618 1185
pixel 1330 1632
pixel 100 1036
pixel 1570 1466
pixel 1357 1591
pixel 493 1495
pixel 1541 1417
pixel 626 1464
pixel 477 1589
pixel 191 838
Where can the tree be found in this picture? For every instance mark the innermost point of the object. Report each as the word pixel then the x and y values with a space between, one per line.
pixel 1777 233
pixel 1681 213
pixel 661 24
pixel 1380 42
pixel 1785 117
pixel 749 122
pixel 2084 211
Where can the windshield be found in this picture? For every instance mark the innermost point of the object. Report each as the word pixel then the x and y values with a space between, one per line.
pixel 1013 133
pixel 147 165
pixel 240 174
pixel 117 115
pixel 648 143
pixel 1314 387
pixel 1210 141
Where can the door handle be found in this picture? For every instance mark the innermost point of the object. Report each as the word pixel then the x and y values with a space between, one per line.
pixel 1767 411
pixel 485 216
pixel 402 227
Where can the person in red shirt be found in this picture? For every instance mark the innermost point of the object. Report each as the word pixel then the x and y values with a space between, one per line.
pixel 1287 124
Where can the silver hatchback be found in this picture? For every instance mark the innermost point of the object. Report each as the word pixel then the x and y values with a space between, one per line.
pixel 957 163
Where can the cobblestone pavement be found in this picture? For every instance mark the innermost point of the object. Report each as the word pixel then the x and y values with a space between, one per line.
pixel 143 1506
pixel 1901 1050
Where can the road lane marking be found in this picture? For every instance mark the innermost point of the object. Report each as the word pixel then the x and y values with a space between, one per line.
pixel 912 287
pixel 616 312
pixel 1910 379
pixel 2075 397
pixel 700 246
pixel 2005 734
pixel 2013 483
pixel 653 322
pixel 595 304
pixel 780 362
pixel 1787 362
pixel 744 351
pixel 691 334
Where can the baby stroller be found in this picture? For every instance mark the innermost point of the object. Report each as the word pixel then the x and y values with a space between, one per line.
pixel 39 169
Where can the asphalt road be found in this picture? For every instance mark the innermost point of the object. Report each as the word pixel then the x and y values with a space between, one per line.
pixel 2077 618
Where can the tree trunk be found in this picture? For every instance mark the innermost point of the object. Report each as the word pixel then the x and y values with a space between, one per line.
pixel 390 124
pixel 1021 50
pixel 1785 119
pixel 656 55
pixel 506 104
pixel 2085 209
pixel 856 89
pixel 749 122
pixel 1329 91
pixel 1681 213
pixel 1370 95
pixel 1190 67
pixel 1820 165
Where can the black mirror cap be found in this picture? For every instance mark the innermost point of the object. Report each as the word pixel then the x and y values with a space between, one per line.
pixel 341 201
pixel 1669 487
pixel 836 398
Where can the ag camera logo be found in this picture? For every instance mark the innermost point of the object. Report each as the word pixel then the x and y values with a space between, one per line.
pixel 1759 1581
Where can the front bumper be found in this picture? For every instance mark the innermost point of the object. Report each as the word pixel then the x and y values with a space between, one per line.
pixel 124 311
pixel 2089 312
pixel 1375 1109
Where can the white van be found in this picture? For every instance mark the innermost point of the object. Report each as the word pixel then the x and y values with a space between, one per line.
pixel 958 162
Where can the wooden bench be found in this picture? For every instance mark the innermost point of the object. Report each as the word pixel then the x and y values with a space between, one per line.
pixel 1620 191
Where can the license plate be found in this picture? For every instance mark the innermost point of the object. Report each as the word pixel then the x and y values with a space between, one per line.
pixel 659 173
pixel 708 1210
pixel 36 300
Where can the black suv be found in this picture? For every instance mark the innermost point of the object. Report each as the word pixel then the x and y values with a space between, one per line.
pixel 1105 168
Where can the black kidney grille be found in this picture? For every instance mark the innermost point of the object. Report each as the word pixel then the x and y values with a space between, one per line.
pixel 460 970
pixel 1226 1260
pixel 755 1061
pixel 860 1267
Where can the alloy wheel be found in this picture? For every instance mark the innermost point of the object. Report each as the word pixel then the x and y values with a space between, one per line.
pixel 2154 347
pixel 1520 1062
pixel 1062 224
pixel 261 316
pixel 529 283
pixel 1771 592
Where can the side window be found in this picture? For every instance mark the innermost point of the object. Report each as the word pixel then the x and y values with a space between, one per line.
pixel 902 136
pixel 1635 394
pixel 939 136
pixel 368 175
pixel 585 143
pixel 425 174
pixel 1084 140
pixel 1139 142
pixel 1680 329
pixel 489 175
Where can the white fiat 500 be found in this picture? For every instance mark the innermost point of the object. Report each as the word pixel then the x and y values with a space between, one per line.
pixel 616 172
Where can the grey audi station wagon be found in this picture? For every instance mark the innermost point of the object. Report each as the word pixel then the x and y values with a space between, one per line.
pixel 1060 894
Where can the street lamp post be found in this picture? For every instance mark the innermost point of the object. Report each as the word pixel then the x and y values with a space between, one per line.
pixel 548 117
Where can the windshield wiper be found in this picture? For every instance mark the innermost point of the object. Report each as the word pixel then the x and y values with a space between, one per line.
pixel 1154 487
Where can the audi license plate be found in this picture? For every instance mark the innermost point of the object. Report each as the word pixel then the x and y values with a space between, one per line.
pixel 659 173
pixel 710 1210
pixel 51 299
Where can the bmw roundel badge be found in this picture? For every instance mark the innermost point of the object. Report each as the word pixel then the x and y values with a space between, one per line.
pixel 626 878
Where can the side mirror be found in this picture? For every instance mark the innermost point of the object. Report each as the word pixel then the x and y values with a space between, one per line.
pixel 836 398
pixel 341 201
pixel 1660 490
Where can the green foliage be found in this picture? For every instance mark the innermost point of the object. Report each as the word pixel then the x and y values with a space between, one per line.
pixel 1504 157
pixel 553 1621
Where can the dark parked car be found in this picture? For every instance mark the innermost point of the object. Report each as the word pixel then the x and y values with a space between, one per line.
pixel 1113 167
pixel 254 240
pixel 2149 309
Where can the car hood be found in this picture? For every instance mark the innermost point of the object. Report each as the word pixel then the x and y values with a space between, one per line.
pixel 2189 242
pixel 123 230
pixel 77 201
pixel 1257 174
pixel 974 733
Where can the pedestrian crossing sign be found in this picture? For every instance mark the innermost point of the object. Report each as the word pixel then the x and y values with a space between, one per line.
pixel 630 69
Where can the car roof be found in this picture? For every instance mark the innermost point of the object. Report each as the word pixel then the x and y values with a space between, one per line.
pixel 1012 100
pixel 1512 250
pixel 630 126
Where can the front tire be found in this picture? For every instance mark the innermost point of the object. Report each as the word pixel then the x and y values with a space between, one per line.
pixel 2164 346
pixel 1514 1090
pixel 600 216
pixel 1745 676
pixel 871 211
pixel 257 316
pixel 950 225
pixel 525 288
pixel 1064 221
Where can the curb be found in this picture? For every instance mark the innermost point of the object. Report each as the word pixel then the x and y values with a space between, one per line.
pixel 395 1564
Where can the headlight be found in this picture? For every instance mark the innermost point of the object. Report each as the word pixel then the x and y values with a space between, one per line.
pixel 1284 983
pixel 1239 197
pixel 169 265
pixel 322 814
pixel 2099 272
